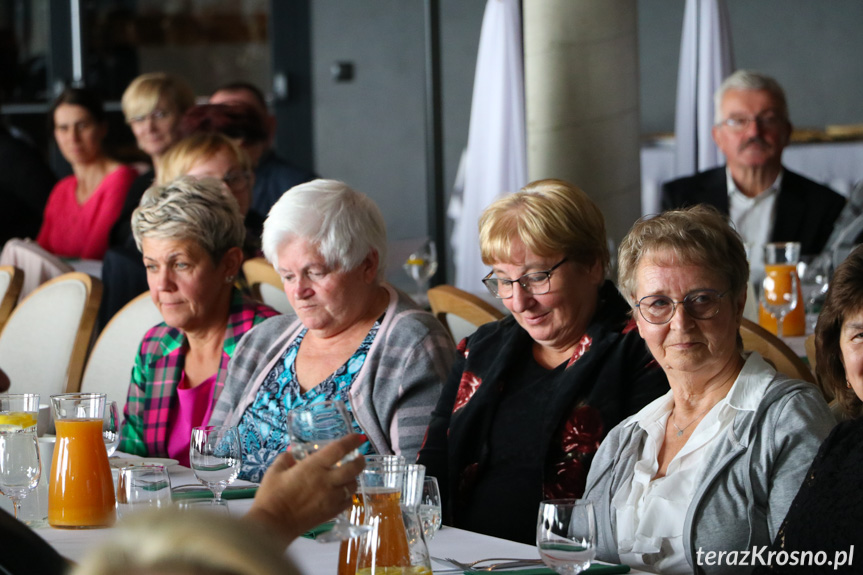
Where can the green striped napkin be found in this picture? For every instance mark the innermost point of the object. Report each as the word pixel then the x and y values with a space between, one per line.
pixel 315 531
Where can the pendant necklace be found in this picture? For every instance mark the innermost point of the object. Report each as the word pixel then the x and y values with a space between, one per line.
pixel 680 430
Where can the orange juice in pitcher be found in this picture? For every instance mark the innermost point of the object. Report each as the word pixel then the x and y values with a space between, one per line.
pixel 81 492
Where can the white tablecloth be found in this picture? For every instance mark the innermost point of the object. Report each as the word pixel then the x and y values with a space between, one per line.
pixel 838 165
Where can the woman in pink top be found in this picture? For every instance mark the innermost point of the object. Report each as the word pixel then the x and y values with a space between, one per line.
pixel 83 207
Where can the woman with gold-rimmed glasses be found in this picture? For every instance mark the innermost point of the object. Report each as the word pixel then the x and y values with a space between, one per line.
pixel 531 396
pixel 713 464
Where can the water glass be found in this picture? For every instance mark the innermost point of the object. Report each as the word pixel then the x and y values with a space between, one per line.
pixel 20 467
pixel 19 411
pixel 205 505
pixel 111 427
pixel 215 456
pixel 566 534
pixel 430 508
pixel 142 487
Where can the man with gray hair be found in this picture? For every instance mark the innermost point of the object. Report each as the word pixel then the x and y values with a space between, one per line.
pixel 765 202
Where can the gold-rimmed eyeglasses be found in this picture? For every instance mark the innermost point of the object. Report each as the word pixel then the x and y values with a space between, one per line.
pixel 534 283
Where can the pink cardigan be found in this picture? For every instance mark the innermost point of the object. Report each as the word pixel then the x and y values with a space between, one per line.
pixel 72 230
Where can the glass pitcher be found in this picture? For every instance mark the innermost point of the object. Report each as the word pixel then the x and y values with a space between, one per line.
pixel 780 262
pixel 394 543
pixel 81 493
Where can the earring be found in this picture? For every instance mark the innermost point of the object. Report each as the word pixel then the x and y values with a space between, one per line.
pixel 229 279
pixel 847 384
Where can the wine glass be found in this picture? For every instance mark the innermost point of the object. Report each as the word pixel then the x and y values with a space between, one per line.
pixel 421 265
pixel 814 274
pixel 20 467
pixel 311 428
pixel 215 456
pixel 111 427
pixel 779 295
pixel 430 508
pixel 142 487
pixel 566 534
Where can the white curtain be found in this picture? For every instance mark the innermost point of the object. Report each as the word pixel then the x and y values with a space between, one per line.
pixel 495 161
pixel 705 60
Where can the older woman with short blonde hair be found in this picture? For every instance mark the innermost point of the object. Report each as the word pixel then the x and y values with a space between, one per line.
pixel 190 233
pixel 531 396
pixel 355 338
pixel 713 464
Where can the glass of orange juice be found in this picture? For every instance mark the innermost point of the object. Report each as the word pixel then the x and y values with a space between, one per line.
pixel 19 412
pixel 81 492
pixel 781 294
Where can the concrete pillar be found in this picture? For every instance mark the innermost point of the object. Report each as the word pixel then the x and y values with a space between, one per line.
pixel 581 94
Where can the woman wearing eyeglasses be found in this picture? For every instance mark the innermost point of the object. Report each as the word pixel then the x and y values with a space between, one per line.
pixel 711 466
pixel 531 396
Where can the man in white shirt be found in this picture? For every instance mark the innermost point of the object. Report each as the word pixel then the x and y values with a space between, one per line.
pixel 764 201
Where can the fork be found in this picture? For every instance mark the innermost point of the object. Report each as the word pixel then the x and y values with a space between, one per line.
pixel 501 563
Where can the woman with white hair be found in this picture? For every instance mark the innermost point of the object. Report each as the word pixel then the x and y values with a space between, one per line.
pixel 354 338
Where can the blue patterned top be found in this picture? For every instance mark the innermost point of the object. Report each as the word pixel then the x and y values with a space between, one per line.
pixel 263 426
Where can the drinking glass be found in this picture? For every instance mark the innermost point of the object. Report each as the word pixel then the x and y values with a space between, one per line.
pixel 313 427
pixel 566 534
pixel 215 456
pixel 779 295
pixel 111 427
pixel 19 411
pixel 206 505
pixel 142 487
pixel 20 467
pixel 430 508
pixel 814 274
pixel 421 266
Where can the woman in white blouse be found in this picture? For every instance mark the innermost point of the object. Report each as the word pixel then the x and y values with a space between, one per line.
pixel 713 465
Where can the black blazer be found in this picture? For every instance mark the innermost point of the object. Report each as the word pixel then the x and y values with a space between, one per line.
pixel 805 210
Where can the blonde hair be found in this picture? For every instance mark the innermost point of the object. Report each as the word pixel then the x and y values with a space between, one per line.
pixel 549 217
pixel 699 235
pixel 191 209
pixel 180 157
pixel 187 543
pixel 142 95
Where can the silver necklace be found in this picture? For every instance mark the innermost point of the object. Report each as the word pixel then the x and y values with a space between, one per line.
pixel 680 430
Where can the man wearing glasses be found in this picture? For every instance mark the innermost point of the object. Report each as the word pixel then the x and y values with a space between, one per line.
pixel 765 202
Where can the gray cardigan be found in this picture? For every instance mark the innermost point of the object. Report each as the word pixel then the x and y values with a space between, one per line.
pixel 395 391
pixel 749 481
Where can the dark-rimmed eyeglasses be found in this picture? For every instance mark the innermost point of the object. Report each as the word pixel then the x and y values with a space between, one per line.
pixel 701 304
pixel 534 283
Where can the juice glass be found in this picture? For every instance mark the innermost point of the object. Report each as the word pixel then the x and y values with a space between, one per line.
pixel 780 261
pixel 81 492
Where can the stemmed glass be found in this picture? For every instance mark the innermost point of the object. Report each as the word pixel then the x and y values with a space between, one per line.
pixel 20 467
pixel 779 295
pixel 111 427
pixel 215 457
pixel 313 427
pixel 422 265
pixel 566 534
pixel 430 508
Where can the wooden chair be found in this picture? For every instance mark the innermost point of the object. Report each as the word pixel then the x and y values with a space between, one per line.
pixel 266 284
pixel 109 366
pixel 774 350
pixel 44 345
pixel 460 312
pixel 809 345
pixel 11 279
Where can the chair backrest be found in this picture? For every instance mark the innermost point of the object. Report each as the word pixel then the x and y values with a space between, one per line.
pixel 44 344
pixel 774 350
pixel 809 346
pixel 460 312
pixel 272 296
pixel 109 366
pixel 11 279
pixel 259 270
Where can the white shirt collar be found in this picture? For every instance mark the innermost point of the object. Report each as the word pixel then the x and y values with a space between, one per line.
pixel 772 189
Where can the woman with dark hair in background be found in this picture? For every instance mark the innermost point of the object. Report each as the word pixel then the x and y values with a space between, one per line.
pixel 83 207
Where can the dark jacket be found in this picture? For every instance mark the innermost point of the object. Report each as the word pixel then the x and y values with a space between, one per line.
pixel 805 210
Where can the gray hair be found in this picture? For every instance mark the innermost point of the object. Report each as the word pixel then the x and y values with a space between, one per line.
pixel 750 80
pixel 191 209
pixel 344 224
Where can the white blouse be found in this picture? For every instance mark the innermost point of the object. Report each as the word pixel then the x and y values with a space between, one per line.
pixel 651 513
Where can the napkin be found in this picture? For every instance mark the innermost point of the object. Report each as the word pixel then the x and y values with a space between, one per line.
pixel 315 531
pixel 204 493
pixel 595 569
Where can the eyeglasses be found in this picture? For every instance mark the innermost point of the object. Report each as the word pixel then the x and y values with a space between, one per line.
pixel 659 309
pixel 237 180
pixel 740 123
pixel 155 115
pixel 535 283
